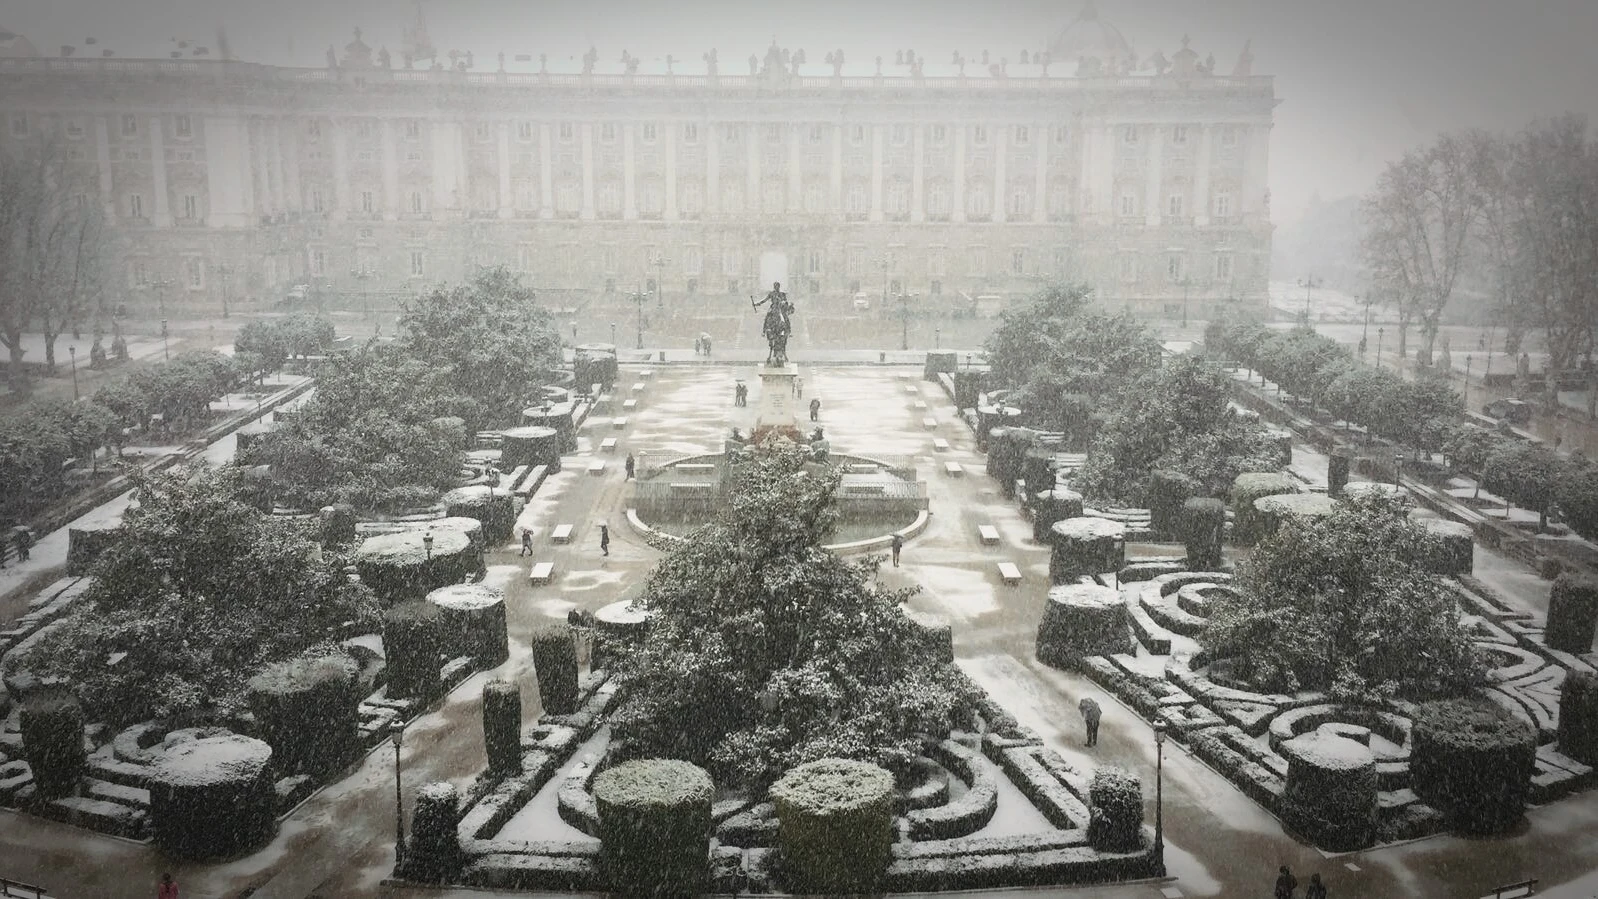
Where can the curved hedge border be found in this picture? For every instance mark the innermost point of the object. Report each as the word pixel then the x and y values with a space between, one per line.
pixel 967 814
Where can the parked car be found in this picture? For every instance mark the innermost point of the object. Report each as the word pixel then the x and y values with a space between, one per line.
pixel 861 302
pixel 1516 412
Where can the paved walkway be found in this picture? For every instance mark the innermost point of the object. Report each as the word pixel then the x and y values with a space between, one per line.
pixel 339 843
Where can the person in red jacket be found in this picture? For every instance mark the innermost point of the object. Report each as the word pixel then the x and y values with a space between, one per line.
pixel 169 888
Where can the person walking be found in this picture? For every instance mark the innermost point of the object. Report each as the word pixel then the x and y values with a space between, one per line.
pixel 632 467
pixel 168 888
pixel 898 545
pixel 799 388
pixel 527 541
pixel 1316 889
pixel 1286 884
pixel 815 410
pixel 604 539
pixel 25 539
pixel 1090 717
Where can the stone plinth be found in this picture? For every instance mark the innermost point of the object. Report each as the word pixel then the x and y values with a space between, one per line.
pixel 777 406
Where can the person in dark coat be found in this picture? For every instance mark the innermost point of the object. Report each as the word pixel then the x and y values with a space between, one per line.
pixel 815 410
pixel 604 539
pixel 632 466
pixel 1286 884
pixel 898 544
pixel 1090 717
pixel 527 541
pixel 1316 889
pixel 25 541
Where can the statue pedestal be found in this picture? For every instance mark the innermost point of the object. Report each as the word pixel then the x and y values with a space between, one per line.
pixel 777 403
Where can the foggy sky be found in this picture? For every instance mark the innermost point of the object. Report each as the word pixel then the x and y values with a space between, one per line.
pixel 1360 80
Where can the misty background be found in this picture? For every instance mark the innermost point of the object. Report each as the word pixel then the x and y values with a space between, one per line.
pixel 1360 81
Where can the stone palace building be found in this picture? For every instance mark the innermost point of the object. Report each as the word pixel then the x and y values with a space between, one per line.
pixel 229 181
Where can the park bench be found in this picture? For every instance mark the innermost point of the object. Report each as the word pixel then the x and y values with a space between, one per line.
pixel 911 388
pixel 629 406
pixel 543 573
pixel 561 534
pixel 608 445
pixel 929 422
pixel 1010 574
pixel 638 387
pixel 528 484
pixel 939 444
pixel 646 374
pixel 619 423
pixel 953 469
pixel 596 467
pixel 988 534
pixel 919 404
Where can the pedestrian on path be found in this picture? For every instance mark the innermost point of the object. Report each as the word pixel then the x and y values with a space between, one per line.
pixel 527 541
pixel 168 888
pixel 815 410
pixel 1316 889
pixel 1090 717
pixel 25 542
pixel 799 388
pixel 1286 884
pixel 632 466
pixel 604 539
pixel 898 544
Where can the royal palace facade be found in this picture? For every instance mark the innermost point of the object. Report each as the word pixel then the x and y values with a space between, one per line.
pixel 228 181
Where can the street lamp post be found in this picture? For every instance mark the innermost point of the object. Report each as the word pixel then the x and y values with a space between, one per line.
pixel 1398 468
pixel 72 350
pixel 1308 284
pixel 165 356
pixel 1186 284
pixel 904 321
pixel 226 271
pixel 638 299
pixel 660 279
pixel 937 338
pixel 1159 796
pixel 1367 332
pixel 1379 333
pixel 399 805
pixel 1468 360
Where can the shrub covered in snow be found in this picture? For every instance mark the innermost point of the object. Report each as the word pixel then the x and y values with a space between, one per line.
pixel 1037 469
pixel 1572 613
pixel 1248 524
pixel 1085 546
pixel 1203 524
pixel 1330 795
pixel 835 825
pixel 555 663
pixel 1578 717
pixel 530 445
pixel 1081 620
pixel 473 622
pixel 1115 811
pixel 1007 448
pixel 51 721
pixel 400 566
pixel 1166 492
pixel 1278 507
pixel 212 797
pixel 307 708
pixel 413 646
pixel 654 827
pixel 1472 760
pixel 502 727
pixel 433 852
pixel 1050 506
pixel 493 506
pixel 1454 553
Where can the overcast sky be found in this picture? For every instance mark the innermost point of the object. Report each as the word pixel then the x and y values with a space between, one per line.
pixel 1360 80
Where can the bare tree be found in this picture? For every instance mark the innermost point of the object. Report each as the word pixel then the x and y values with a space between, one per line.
pixel 1419 222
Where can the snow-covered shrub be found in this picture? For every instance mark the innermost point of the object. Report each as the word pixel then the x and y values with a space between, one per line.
pixel 473 622
pixel 1330 796
pixel 1081 620
pixel 502 727
pixel 1572 613
pixel 307 708
pixel 555 663
pixel 1247 522
pixel 212 797
pixel 1115 811
pixel 1007 449
pixel 1278 507
pixel 654 827
pixel 413 642
pixel 835 825
pixel 493 506
pixel 1085 546
pixel 52 740
pixel 400 566
pixel 1203 523
pixel 1472 760
pixel 1049 506
pixel 1578 717
pixel 1166 492
pixel 1454 554
pixel 433 853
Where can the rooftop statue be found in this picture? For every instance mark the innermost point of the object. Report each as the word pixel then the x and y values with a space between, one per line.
pixel 1245 61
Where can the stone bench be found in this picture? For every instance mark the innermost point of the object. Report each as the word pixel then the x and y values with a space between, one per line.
pixel 696 468
pixel 646 374
pixel 608 445
pixel 919 405
pixel 911 388
pixel 596 467
pixel 953 469
pixel 619 423
pixel 988 534
pixel 561 534
pixel 630 406
pixel 638 387
pixel 929 422
pixel 543 573
pixel 939 444
pixel 1010 574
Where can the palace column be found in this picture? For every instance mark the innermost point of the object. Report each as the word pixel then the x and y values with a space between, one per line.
pixel 629 174
pixel 957 188
pixel 507 202
pixel 918 174
pixel 1201 176
pixel 102 154
pixel 588 171
pixel 1041 136
pixel 712 171
pixel 1001 185
pixel 341 170
pixel 1156 183
pixel 162 213
pixel 876 173
pixel 752 192
pixel 546 174
pixel 796 202
pixel 669 135
pixel 838 209
pixel 1104 171
pixel 392 204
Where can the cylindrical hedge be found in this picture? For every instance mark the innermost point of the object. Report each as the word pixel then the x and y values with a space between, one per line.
pixel 935 631
pixel 617 627
pixel 1578 717
pixel 1085 545
pixel 308 711
pixel 555 663
pixel 532 445
pixel 834 826
pixel 1272 510
pixel 967 389
pixel 1203 525
pixel 502 727
pixel 433 849
pixel 1081 620
pixel 1330 794
pixel 1572 613
pixel 1006 451
pixel 991 418
pixel 473 623
pixel 494 507
pixel 1248 525
pixel 413 648
pixel 557 415
pixel 594 363
pixel 1167 491
pixel 1455 553
pixel 1115 811
pixel 212 797
pixel 1472 760
pixel 1337 468
pixel 654 827
pixel 337 524
pixel 1037 469
pixel 52 740
pixel 1049 506
pixel 399 566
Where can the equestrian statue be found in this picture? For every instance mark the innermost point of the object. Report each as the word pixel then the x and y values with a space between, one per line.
pixel 778 325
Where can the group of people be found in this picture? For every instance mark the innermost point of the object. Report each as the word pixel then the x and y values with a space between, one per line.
pixel 740 394
pixel 702 345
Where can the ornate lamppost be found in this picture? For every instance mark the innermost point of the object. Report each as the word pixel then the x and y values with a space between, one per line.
pixel 1159 795
pixel 72 350
pixel 165 356
pixel 399 806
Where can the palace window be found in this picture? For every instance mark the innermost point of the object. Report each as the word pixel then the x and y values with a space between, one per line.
pixel 607 133
pixel 136 206
pixel 935 263
pixel 1223 266
pixel 940 135
pixel 194 272
pixel 1173 206
pixel 418 266
pixel 191 206
pixel 567 132
pixel 1060 258
pixel 730 133
pixel 313 129
pixel 138 273
pixel 1178 134
pixel 690 133
pixel 693 198
pixel 938 198
pixel 977 261
pixel 363 129
pixel 524 131
pixel 1062 134
pixel 416 202
pixel 182 126
pixel 774 196
pixel 693 260
pixel 731 261
pixel 815 198
pixel 647 130
pixel 1229 136
pixel 318 262
pixel 1173 268
pixel 482 131
pixel 1128 203
pixel 1023 135
pixel 1018 261
pixel 857 134
pixel 857 200
pixel 817 133
pixel 979 135
pixel 980 203
pixel 898 198
pixel 1020 202
pixel 316 199
pixel 774 132
pixel 901 135
pixel 74 128
pixel 1223 205
pixel 130 124
pixel 814 262
pixel 607 257
pixel 1128 267
pixel 413 156
pixel 1128 134
pixel 366 202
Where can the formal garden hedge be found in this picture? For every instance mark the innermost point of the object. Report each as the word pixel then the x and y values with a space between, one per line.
pixel 1455 552
pixel 51 721
pixel 1249 524
pixel 1085 546
pixel 654 827
pixel 1115 811
pixel 1168 491
pixel 1331 790
pixel 308 711
pixel 1081 620
pixel 1050 506
pixel 1572 613
pixel 1472 760
pixel 835 825
pixel 433 852
pixel 413 648
pixel 1202 530
pixel 1274 509
pixel 212 797
pixel 555 662
pixel 493 506
pixel 401 566
pixel 1007 449
pixel 502 727
pixel 473 622
pixel 1578 717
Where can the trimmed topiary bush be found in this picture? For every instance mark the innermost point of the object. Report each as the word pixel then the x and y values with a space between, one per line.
pixel 400 567
pixel 1203 524
pixel 473 623
pixel 1578 717
pixel 413 647
pixel 337 524
pixel 1330 794
pixel 1081 620
pixel 834 826
pixel 1472 760
pixel 1115 811
pixel 1248 524
pixel 433 851
pixel 494 507
pixel 502 727
pixel 51 721
pixel 1167 491
pixel 212 797
pixel 1337 468
pixel 1085 546
pixel 555 663
pixel 654 827
pixel 1006 452
pixel 308 711
pixel 935 630
pixel 1572 613
pixel 1037 469
pixel 1455 553
pixel 1273 510
pixel 1050 506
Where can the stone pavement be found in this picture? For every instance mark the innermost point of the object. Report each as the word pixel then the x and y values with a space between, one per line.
pixel 1219 843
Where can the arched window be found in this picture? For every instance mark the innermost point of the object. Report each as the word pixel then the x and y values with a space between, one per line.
pixel 979 201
